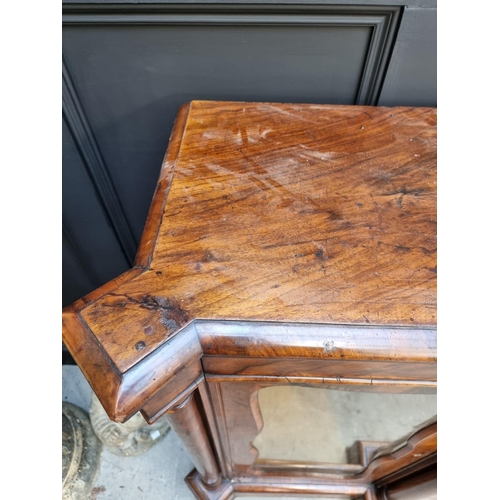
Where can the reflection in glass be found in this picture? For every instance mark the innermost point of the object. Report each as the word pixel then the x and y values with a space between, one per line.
pixel 319 425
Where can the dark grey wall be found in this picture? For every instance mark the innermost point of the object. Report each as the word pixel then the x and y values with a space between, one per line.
pixel 128 68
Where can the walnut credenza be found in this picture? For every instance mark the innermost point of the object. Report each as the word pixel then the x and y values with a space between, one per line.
pixel 285 244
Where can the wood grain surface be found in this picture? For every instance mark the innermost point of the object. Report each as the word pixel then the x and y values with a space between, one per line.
pixel 285 244
pixel 278 212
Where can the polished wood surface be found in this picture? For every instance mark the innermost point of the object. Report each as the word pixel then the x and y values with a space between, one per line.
pixel 187 422
pixel 421 486
pixel 285 244
pixel 286 213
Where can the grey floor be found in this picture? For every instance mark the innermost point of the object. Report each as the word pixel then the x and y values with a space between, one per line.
pixel 299 423
pixel 157 474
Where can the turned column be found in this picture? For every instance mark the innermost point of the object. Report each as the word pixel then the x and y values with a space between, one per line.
pixel 186 420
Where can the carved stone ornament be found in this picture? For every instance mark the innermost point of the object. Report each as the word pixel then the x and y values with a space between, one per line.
pixel 81 454
pixel 130 438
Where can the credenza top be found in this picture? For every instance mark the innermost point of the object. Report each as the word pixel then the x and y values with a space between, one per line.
pixel 316 214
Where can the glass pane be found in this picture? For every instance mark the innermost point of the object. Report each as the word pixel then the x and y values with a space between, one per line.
pixel 319 425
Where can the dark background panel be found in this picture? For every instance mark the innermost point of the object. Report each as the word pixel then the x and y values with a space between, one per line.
pixel 78 273
pixel 410 3
pixel 412 74
pixel 91 253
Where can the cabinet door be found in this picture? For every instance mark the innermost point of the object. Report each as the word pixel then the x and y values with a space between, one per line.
pixel 407 469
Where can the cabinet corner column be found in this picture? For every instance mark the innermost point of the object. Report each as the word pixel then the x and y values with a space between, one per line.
pixel 187 422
